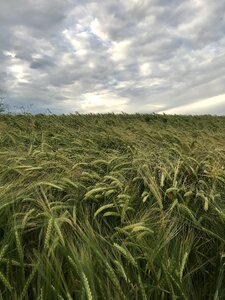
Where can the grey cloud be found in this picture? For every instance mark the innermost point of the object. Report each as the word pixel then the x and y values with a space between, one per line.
pixel 42 63
pixel 183 43
pixel 38 14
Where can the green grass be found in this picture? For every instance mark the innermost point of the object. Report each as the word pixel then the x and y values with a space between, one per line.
pixel 112 207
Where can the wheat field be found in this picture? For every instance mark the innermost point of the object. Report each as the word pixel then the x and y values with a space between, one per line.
pixel 112 207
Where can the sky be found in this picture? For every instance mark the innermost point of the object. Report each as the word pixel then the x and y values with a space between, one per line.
pixel 66 56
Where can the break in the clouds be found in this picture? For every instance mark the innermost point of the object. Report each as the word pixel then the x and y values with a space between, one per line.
pixel 113 56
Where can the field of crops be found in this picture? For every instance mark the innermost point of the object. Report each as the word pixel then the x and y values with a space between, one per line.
pixel 112 207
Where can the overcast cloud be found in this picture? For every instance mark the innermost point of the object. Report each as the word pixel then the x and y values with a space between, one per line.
pixel 104 56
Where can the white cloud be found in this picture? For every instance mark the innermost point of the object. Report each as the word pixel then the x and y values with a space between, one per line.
pixel 19 72
pixel 198 107
pixel 98 30
pixel 118 51
pixel 103 101
pixel 145 69
pixel 9 53
pixel 78 41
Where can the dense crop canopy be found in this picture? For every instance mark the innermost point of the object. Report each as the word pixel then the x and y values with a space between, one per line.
pixel 112 207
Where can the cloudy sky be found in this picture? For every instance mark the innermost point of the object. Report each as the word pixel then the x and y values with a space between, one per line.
pixel 113 55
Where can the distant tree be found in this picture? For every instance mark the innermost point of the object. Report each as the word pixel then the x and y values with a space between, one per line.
pixel 2 101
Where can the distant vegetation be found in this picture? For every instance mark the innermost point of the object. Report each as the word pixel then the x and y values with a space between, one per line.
pixel 2 104
pixel 112 207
